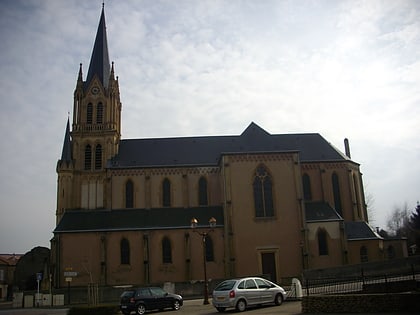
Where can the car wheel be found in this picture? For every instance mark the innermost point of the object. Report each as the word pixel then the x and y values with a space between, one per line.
pixel 241 305
pixel 141 309
pixel 221 309
pixel 278 299
pixel 176 305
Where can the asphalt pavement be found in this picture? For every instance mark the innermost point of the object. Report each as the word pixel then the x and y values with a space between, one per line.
pixel 191 307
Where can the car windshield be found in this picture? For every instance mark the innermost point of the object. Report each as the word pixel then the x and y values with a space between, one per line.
pixel 158 291
pixel 225 285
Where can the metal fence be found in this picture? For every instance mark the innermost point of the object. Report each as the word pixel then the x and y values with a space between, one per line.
pixel 386 283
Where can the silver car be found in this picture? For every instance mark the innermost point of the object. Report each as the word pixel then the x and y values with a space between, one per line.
pixel 244 292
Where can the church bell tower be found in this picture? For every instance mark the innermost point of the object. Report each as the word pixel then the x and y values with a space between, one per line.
pixel 95 135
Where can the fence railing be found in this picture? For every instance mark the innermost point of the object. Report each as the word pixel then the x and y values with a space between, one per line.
pixel 395 282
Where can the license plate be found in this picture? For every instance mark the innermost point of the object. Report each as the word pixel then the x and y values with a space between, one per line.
pixel 220 298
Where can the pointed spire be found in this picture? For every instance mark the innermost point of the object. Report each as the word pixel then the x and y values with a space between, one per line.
pixel 112 72
pixel 99 62
pixel 80 77
pixel 66 153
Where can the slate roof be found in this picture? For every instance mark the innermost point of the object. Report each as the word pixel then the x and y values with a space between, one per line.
pixel 136 219
pixel 66 153
pixel 207 150
pixel 360 231
pixel 320 211
pixel 99 61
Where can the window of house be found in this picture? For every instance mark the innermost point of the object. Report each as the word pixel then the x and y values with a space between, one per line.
pixel 98 157
pixel 202 192
pixel 129 194
pixel 166 193
pixel 166 251
pixel 209 249
pixel 322 242
pixel 336 192
pixel 89 113
pixel 88 157
pixel 364 254
pixel 125 252
pixel 356 192
pixel 390 251
pixel 99 113
pixel 263 193
pixel 306 181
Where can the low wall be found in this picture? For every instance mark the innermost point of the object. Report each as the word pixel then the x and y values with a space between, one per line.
pixel 362 303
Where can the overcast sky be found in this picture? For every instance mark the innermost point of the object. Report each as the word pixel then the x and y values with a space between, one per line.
pixel 344 69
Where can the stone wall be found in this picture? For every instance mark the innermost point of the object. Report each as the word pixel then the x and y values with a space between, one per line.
pixel 362 303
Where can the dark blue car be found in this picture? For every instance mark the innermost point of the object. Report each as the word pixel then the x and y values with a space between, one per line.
pixel 145 299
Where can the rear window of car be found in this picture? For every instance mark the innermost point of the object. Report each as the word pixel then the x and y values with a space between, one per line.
pixel 127 294
pixel 225 285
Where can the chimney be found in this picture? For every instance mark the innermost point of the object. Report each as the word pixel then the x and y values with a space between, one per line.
pixel 347 148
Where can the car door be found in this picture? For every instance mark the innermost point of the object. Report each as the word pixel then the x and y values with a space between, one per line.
pixel 266 295
pixel 144 296
pixel 251 292
pixel 162 300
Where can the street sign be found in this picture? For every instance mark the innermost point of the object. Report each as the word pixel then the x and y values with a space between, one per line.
pixel 70 273
pixel 68 279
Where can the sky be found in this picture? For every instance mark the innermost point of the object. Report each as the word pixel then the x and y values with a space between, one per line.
pixel 344 69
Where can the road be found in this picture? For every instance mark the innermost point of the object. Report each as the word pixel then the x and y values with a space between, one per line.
pixel 191 307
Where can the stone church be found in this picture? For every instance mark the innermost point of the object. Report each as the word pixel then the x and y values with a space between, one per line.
pixel 261 203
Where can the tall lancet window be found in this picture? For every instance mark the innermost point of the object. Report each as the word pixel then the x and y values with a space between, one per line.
pixel 166 193
pixel 99 113
pixel 125 252
pixel 98 157
pixel 166 251
pixel 263 193
pixel 129 194
pixel 88 157
pixel 89 113
pixel 306 181
pixel 202 192
pixel 336 192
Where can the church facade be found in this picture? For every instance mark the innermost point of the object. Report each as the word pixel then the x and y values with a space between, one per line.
pixel 265 204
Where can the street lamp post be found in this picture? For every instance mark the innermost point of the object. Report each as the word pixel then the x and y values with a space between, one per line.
pixel 212 224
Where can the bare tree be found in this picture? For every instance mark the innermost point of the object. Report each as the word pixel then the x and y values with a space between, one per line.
pixel 398 221
pixel 370 208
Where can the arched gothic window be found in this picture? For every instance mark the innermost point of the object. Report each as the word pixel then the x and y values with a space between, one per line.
pixel 306 181
pixel 129 194
pixel 99 113
pixel 364 257
pixel 88 157
pixel 336 192
pixel 209 249
pixel 166 251
pixel 202 192
pixel 263 193
pixel 166 193
pixel 125 252
pixel 322 242
pixel 98 157
pixel 89 113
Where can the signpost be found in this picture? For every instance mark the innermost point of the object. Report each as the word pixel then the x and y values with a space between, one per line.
pixel 68 277
pixel 38 280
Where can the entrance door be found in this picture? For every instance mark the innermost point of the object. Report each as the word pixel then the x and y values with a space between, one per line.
pixel 268 261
